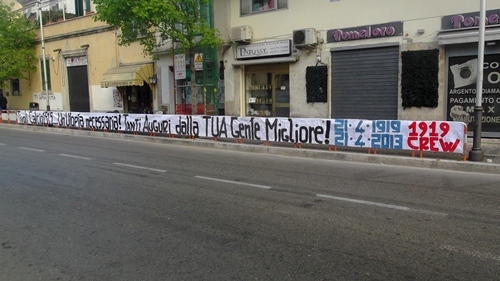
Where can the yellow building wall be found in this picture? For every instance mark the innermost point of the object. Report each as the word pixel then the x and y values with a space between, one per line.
pixel 70 39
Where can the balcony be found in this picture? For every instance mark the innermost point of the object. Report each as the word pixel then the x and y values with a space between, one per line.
pixel 54 11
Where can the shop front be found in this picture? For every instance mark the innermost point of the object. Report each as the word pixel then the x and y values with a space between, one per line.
pixel 365 77
pixel 266 68
pixel 133 82
pixel 459 35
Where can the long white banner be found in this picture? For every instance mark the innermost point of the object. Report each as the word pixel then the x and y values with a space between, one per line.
pixel 436 136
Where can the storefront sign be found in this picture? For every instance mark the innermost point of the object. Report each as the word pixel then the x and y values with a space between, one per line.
pixel 78 61
pixel 180 66
pixel 436 136
pixel 469 20
pixel 266 49
pixel 365 32
pixel 462 79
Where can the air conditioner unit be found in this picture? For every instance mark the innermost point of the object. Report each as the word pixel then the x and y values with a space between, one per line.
pixel 242 33
pixel 304 37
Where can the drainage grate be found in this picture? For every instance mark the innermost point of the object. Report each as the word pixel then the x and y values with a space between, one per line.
pixel 489 157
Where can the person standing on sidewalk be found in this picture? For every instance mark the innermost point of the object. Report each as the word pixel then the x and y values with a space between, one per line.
pixel 3 102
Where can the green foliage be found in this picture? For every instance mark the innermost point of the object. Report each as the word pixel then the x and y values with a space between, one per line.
pixel 17 52
pixel 155 21
pixel 419 78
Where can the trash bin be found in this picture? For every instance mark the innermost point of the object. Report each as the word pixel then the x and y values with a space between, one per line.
pixel 34 106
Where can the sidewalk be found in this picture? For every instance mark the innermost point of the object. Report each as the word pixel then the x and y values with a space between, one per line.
pixel 445 161
pixel 491 149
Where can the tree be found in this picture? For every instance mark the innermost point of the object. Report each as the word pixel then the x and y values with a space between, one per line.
pixel 154 22
pixel 17 38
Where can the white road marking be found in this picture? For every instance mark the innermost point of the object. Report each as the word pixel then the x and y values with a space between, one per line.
pixel 74 156
pixel 472 253
pixel 370 203
pixel 235 182
pixel 140 167
pixel 2 144
pixel 32 149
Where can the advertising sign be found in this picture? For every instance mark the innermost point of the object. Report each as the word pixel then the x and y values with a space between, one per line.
pixel 180 66
pixel 76 61
pixel 266 49
pixel 462 77
pixel 365 32
pixel 469 20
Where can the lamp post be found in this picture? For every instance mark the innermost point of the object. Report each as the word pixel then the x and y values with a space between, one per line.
pixel 44 61
pixel 476 154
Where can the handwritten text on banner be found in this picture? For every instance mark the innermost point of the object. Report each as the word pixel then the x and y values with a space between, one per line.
pixel 436 136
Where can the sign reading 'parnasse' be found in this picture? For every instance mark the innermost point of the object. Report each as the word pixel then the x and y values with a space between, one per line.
pixel 266 49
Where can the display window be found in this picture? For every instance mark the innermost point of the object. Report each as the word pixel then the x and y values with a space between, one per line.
pixel 267 92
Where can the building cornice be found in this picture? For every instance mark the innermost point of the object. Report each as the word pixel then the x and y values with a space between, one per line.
pixel 79 33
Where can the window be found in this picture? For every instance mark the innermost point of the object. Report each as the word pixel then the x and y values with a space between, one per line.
pixel 47 63
pixel 14 87
pixel 82 7
pixel 258 6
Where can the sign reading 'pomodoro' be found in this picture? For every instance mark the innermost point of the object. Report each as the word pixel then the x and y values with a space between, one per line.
pixel 365 32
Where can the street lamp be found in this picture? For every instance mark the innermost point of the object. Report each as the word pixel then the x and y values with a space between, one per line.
pixel 44 61
pixel 153 79
pixel 476 154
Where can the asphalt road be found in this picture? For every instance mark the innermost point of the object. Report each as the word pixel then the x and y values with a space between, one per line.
pixel 88 208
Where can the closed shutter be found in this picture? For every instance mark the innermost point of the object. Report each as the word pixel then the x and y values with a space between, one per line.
pixel 365 83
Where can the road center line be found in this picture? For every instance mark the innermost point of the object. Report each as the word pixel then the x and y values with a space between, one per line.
pixel 370 203
pixel 235 182
pixel 74 156
pixel 140 167
pixel 31 149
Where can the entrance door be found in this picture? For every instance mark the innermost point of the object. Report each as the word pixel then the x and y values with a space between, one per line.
pixel 282 95
pixel 78 85
pixel 139 99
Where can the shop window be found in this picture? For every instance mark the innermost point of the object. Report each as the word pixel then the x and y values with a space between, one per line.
pixel 267 94
pixel 14 87
pixel 258 6
pixel 47 64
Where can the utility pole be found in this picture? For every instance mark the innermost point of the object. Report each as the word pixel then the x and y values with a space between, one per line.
pixel 476 154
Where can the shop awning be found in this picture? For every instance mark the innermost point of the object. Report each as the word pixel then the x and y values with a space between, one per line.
pixel 467 36
pixel 128 75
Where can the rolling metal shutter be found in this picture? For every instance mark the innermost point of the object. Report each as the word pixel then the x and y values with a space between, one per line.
pixel 365 83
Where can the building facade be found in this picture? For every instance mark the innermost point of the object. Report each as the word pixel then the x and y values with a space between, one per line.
pixel 86 69
pixel 360 59
pixel 174 86
pixel 282 58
